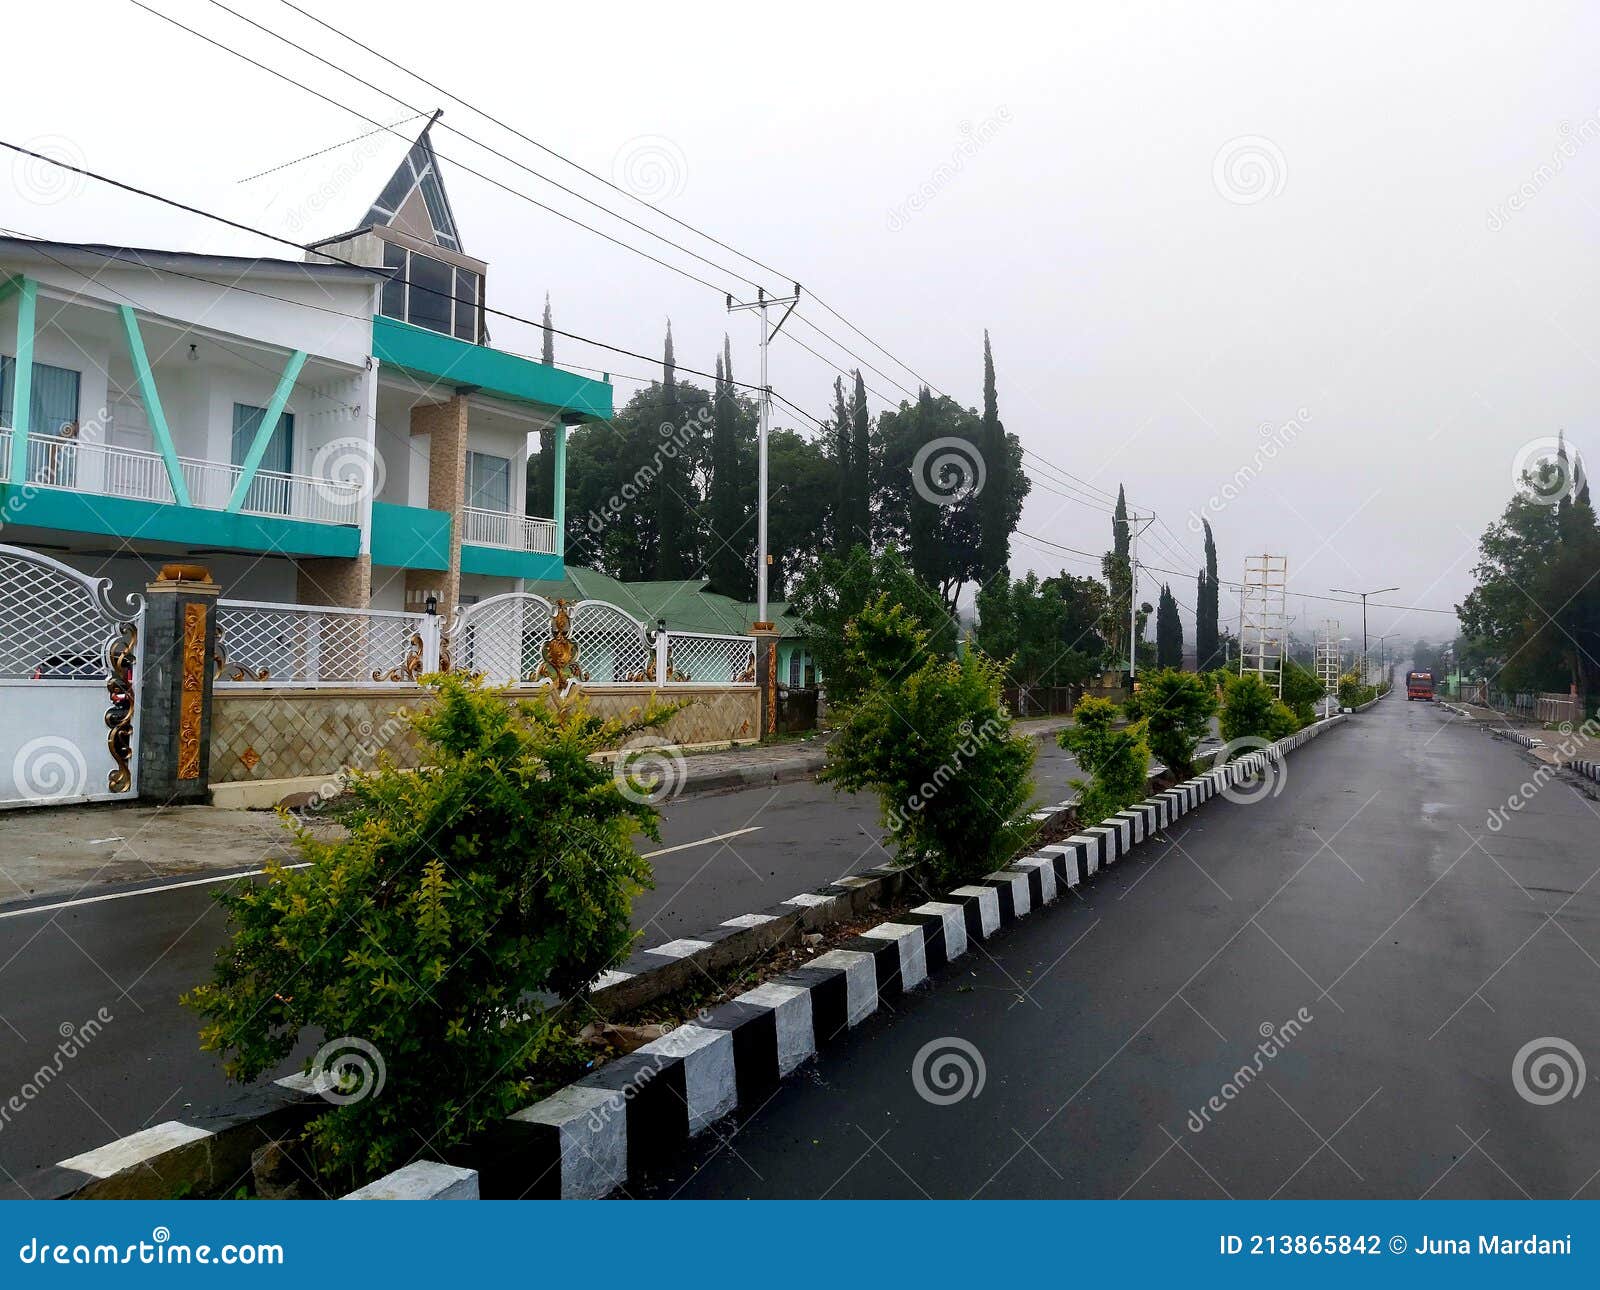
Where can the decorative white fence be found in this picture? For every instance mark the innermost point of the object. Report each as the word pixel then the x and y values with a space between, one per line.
pixel 512 639
pixel 261 644
pixel 500 528
pixel 524 639
pixel 109 471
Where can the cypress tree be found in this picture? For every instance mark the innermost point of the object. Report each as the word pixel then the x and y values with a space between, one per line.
pixel 668 487
pixel 725 566
pixel 994 540
pixel 1169 631
pixel 861 468
pixel 844 506
pixel 1206 635
pixel 542 477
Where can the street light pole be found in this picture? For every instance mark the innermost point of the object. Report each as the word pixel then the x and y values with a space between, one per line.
pixel 1363 594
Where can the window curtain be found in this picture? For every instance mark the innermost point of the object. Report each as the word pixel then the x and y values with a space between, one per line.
pixel 265 494
pixel 52 410
pixel 488 482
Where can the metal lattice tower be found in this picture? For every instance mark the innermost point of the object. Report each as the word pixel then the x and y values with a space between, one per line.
pixel 1263 618
pixel 1328 662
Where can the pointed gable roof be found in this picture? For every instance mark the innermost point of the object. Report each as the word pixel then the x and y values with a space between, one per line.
pixel 414 200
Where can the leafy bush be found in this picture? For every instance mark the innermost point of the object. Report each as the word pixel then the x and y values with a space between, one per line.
pixel 1119 760
pixel 1302 691
pixel 504 867
pixel 929 736
pixel 1250 711
pixel 1352 694
pixel 834 593
pixel 1176 708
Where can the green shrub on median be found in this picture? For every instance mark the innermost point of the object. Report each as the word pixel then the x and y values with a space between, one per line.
pixel 505 866
pixel 1251 711
pixel 1176 708
pixel 1118 760
pixel 930 737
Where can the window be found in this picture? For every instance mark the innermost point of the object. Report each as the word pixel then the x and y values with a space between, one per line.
pixel 52 410
pixel 266 494
pixel 432 294
pixel 489 482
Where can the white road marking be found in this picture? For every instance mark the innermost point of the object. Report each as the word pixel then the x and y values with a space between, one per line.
pixel 100 842
pixel 718 837
pixel 256 873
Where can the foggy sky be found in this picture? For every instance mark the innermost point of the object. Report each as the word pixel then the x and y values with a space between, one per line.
pixel 1180 224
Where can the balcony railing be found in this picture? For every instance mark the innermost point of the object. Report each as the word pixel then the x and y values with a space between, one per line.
pixel 514 532
pixel 84 467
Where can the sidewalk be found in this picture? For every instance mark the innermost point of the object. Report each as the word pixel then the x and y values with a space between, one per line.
pixel 1558 747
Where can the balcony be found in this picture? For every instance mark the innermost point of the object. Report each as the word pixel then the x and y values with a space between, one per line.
pixel 100 469
pixel 508 532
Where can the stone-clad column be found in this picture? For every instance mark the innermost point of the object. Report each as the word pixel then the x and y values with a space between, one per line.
pixel 445 424
pixel 767 676
pixel 180 624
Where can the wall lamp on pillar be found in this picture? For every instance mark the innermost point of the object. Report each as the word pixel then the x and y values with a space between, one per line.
pixel 431 604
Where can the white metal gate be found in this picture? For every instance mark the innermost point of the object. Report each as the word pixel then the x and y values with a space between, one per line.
pixel 68 666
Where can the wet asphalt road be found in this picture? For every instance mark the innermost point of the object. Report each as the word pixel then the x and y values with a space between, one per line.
pixel 1425 949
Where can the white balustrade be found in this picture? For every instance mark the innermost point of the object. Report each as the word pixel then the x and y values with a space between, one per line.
pixel 107 470
pixel 481 527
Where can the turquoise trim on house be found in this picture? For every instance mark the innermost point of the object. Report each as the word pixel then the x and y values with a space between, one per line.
pixel 559 489
pixel 433 356
pixel 152 404
pixel 269 423
pixel 410 537
pixel 497 562
pixel 22 381
pixel 191 526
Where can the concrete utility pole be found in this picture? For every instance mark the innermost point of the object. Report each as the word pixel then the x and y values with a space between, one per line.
pixel 1363 595
pixel 1133 590
pixel 761 303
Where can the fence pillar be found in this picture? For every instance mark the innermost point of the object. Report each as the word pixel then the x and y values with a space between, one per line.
pixel 180 626
pixel 430 629
pixel 767 676
pixel 663 656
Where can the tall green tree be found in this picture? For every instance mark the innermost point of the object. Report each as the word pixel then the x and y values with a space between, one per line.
pixel 1042 632
pixel 1206 639
pixel 844 461
pixel 861 466
pixel 994 524
pixel 1116 567
pixel 541 490
pixel 729 539
pixel 673 560
pixel 1169 631
pixel 926 502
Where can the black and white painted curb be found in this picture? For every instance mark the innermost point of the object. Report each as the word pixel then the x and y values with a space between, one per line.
pixel 589 1138
pixel 1588 769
